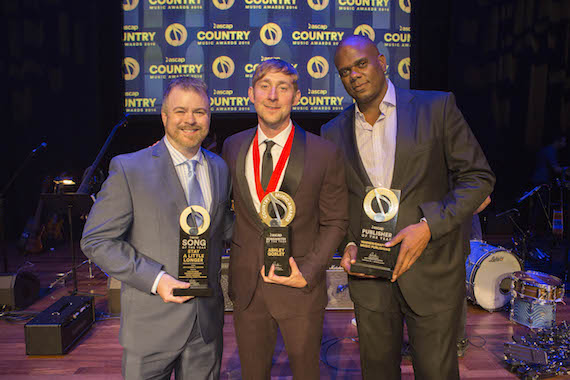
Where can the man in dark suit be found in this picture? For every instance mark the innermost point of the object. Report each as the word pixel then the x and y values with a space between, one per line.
pixel 311 170
pixel 133 234
pixel 419 143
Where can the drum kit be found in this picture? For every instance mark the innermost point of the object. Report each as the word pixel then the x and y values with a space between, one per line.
pixel 495 277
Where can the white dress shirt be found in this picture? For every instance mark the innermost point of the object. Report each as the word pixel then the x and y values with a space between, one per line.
pixel 181 167
pixel 280 141
pixel 377 143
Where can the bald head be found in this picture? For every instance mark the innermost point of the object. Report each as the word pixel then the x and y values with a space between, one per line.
pixel 361 69
pixel 357 41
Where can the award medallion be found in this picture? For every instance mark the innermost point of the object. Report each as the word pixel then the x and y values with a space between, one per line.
pixel 378 224
pixel 277 211
pixel 193 252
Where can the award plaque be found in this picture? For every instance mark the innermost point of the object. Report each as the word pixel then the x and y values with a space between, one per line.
pixel 193 249
pixel 378 224
pixel 277 211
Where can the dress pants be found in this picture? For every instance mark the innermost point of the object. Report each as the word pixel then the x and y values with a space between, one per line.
pixel 432 339
pixel 197 360
pixel 256 335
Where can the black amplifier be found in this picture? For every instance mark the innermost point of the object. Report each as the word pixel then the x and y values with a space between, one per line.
pixel 57 328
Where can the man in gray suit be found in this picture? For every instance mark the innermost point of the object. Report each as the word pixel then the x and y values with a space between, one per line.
pixel 133 234
pixel 417 142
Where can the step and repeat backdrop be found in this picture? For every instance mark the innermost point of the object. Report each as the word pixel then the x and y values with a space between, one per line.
pixel 223 41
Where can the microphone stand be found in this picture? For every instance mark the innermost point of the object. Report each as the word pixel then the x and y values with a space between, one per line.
pixel 79 203
pixel 5 189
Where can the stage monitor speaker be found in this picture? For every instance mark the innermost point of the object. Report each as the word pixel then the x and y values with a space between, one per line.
pixel 19 290
pixel 56 329
pixel 114 295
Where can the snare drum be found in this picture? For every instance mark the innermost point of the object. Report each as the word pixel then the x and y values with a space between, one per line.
pixel 488 271
pixel 539 287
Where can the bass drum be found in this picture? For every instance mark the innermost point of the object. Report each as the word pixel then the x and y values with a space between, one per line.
pixel 488 275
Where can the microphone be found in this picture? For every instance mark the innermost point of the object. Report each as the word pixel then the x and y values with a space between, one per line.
pixel 40 148
pixel 525 196
pixel 511 211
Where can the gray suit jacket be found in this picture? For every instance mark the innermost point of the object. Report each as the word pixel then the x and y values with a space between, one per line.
pixel 443 175
pixel 133 232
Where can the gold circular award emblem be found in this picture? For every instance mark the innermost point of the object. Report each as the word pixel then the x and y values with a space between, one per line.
pixel 406 5
pixel 384 198
pixel 318 5
pixel 223 4
pixel 404 68
pixel 277 201
pixel 223 67
pixel 365 30
pixel 270 34
pixel 129 5
pixel 194 210
pixel 318 67
pixel 176 34
pixel 131 68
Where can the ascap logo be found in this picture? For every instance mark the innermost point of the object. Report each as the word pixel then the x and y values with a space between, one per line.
pixel 404 68
pixel 176 34
pixel 270 34
pixel 318 67
pixel 365 30
pixel 223 67
pixel 406 5
pixel 223 4
pixel 129 5
pixel 131 68
pixel 318 5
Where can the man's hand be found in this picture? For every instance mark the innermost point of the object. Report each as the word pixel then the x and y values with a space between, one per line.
pixel 349 258
pixel 165 286
pixel 295 280
pixel 414 239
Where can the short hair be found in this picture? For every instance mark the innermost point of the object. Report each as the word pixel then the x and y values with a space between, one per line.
pixel 278 65
pixel 357 39
pixel 187 84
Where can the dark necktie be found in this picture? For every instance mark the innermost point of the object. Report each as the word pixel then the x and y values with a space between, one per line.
pixel 267 164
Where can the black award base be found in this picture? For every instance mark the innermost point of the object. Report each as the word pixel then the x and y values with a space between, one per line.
pixel 371 270
pixel 196 292
pixel 277 250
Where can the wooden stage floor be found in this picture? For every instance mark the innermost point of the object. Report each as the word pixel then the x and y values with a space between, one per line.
pixel 98 353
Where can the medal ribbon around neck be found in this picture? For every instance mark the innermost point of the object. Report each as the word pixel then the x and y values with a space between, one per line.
pixel 278 168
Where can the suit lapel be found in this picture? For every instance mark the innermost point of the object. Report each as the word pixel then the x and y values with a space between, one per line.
pixel 407 119
pixel 242 181
pixel 214 183
pixel 169 176
pixel 348 137
pixel 294 171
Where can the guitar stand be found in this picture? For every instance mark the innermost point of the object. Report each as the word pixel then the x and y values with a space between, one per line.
pixel 75 205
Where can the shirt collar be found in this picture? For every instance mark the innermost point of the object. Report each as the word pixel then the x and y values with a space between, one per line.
pixel 388 101
pixel 178 158
pixel 280 139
